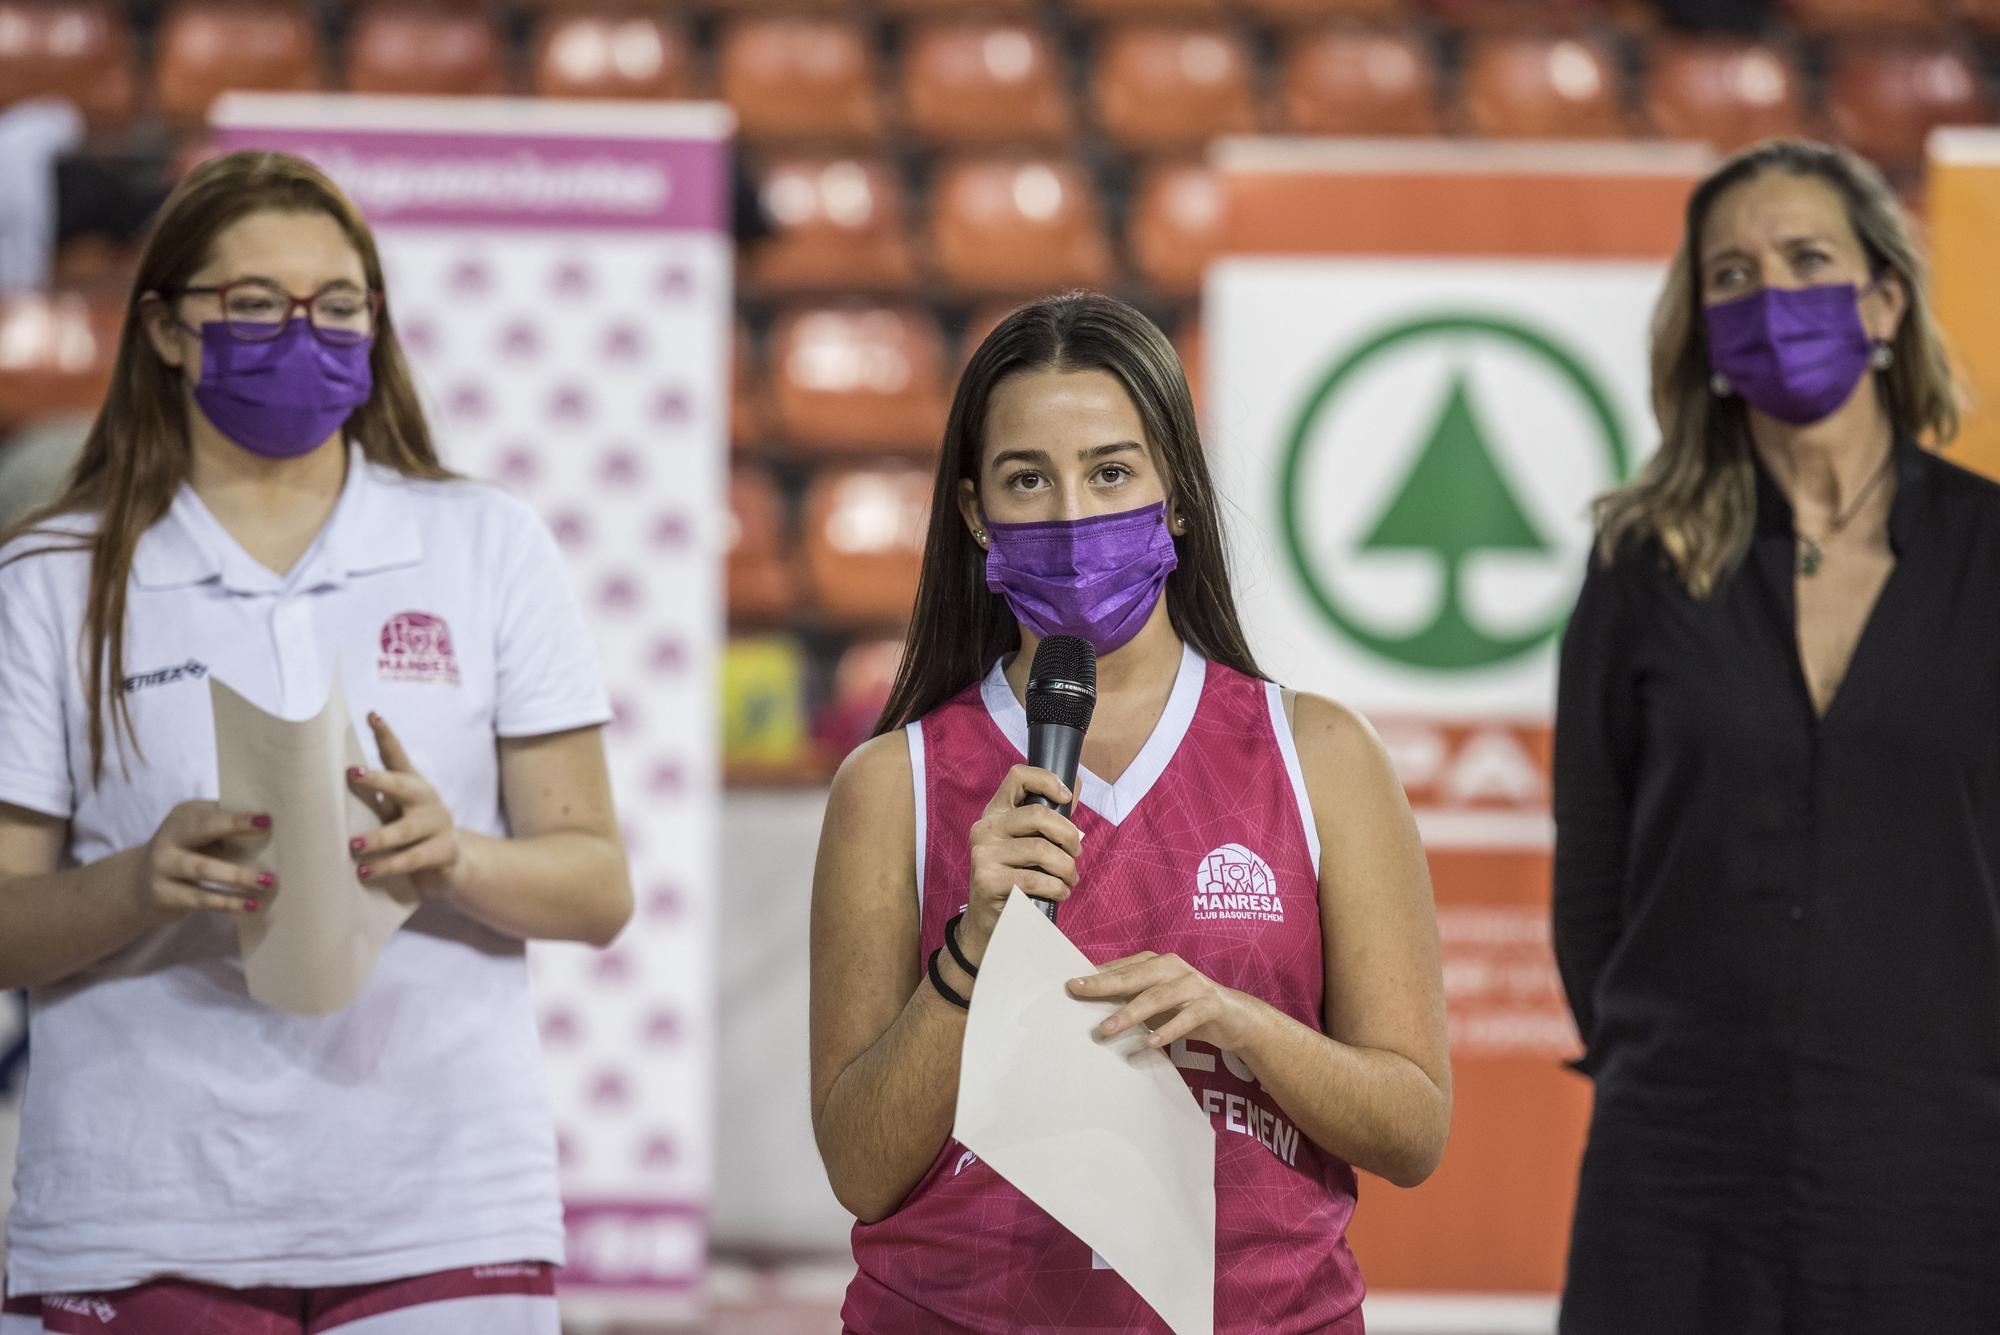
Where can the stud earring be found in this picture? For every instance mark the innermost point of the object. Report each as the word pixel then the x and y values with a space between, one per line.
pixel 1718 385
pixel 979 536
pixel 1883 355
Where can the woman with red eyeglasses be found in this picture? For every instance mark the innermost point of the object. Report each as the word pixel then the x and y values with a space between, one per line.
pixel 259 501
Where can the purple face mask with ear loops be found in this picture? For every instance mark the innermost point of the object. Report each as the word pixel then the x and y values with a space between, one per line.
pixel 282 396
pixel 1792 353
pixel 1098 578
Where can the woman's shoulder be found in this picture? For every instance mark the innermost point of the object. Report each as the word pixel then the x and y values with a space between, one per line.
pixel 48 554
pixel 1972 493
pixel 492 526
pixel 874 783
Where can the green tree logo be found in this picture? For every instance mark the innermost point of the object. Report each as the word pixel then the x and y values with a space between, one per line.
pixel 1454 503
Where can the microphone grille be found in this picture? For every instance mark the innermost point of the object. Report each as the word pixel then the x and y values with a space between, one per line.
pixel 1062 682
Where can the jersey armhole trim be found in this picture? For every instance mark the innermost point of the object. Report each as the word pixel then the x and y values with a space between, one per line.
pixel 913 731
pixel 1288 747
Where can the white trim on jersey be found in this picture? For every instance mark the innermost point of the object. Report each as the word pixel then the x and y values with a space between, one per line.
pixel 913 731
pixel 1112 801
pixel 1288 746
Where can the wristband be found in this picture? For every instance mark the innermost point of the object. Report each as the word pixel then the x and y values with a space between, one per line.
pixel 944 988
pixel 951 944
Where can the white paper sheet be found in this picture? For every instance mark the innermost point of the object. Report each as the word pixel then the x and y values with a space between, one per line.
pixel 311 947
pixel 1102 1134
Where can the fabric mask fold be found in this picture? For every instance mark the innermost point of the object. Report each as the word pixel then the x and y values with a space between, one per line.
pixel 280 397
pixel 1792 353
pixel 1098 577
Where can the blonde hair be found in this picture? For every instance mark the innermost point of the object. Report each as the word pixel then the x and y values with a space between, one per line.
pixel 136 455
pixel 1697 497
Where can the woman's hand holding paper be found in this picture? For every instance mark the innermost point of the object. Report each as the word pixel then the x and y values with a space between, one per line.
pixel 1185 1002
pixel 418 839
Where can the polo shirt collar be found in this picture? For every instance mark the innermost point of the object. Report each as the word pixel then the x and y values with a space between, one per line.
pixel 375 525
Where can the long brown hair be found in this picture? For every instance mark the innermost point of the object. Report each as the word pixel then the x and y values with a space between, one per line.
pixel 1698 495
pixel 960 626
pixel 136 456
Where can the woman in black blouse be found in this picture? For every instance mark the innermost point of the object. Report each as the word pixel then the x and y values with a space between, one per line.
pixel 1777 795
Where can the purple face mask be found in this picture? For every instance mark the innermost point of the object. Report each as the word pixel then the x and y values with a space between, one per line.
pixel 1794 353
pixel 280 397
pixel 1098 578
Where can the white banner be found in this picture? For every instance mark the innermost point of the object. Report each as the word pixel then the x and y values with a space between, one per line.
pixel 560 275
pixel 1417 442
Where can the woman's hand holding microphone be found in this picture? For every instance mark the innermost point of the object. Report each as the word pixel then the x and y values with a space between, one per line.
pixel 1017 842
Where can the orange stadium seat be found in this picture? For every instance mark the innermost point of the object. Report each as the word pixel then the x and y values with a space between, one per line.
pixel 1189 345
pixel 859 378
pixel 973 82
pixel 957 8
pixel 1017 225
pixel 800 77
pixel 81 51
pixel 1819 17
pixel 205 47
pixel 838 224
pixel 981 321
pixel 1176 225
pixel 612 53
pixel 763 585
pixel 746 395
pixel 1982 16
pixel 1884 97
pixel 1344 81
pixel 1316 11
pixel 1173 86
pixel 1148 9
pixel 1725 91
pixel 865 543
pixel 55 353
pixel 396 49
pixel 862 680
pixel 1524 15
pixel 1540 87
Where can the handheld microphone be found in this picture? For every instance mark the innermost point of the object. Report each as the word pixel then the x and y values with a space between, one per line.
pixel 1062 693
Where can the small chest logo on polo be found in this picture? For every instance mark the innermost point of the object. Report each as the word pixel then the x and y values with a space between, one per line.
pixel 192 670
pixel 1232 883
pixel 416 646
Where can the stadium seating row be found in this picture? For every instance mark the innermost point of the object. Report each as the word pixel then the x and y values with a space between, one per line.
pixel 1150 85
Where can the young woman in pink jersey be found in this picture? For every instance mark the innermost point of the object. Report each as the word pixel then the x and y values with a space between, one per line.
pixel 1241 861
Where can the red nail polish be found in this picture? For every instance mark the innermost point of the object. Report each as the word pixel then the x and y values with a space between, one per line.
pixel 261 821
pixel 266 880
pixel 251 905
pixel 356 844
pixel 365 871
pixel 354 772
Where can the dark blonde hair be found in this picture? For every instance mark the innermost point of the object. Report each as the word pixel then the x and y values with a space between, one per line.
pixel 136 456
pixel 1697 496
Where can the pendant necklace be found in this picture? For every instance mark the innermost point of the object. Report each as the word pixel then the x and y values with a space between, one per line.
pixel 1813 554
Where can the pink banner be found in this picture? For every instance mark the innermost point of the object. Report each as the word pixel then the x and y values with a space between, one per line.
pixel 503 180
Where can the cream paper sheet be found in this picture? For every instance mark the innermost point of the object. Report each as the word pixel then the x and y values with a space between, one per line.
pixel 310 949
pixel 1102 1134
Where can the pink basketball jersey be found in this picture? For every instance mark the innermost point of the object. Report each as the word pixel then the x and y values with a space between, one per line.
pixel 1203 848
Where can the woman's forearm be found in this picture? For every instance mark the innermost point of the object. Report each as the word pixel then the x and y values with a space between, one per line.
pixel 889 1113
pixel 1374 1108
pixel 57 923
pixel 562 886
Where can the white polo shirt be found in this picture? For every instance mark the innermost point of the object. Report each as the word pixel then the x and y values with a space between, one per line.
pixel 174 1125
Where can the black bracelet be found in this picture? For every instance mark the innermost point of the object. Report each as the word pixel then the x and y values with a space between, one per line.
pixel 951 944
pixel 944 988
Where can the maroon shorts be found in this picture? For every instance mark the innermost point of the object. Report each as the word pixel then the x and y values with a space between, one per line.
pixel 516 1299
